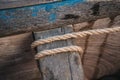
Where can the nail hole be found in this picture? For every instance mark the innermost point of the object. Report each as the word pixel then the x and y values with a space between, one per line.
pixel 95 9
pixel 70 16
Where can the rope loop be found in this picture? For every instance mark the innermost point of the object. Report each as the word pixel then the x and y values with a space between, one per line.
pixel 59 50
pixel 69 36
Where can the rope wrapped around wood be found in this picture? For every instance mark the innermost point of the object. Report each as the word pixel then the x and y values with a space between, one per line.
pixel 69 36
pixel 59 50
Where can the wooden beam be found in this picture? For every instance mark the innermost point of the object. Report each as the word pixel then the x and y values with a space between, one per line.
pixel 110 56
pixel 20 3
pixel 52 15
pixel 64 66
pixel 16 59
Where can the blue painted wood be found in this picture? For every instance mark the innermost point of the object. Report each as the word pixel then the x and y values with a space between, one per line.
pixel 8 14
pixel 51 15
pixel 15 18
pixel 20 3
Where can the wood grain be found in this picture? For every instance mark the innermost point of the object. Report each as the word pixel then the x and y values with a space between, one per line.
pixel 94 48
pixel 93 45
pixel 61 66
pixel 4 4
pixel 101 53
pixel 16 59
pixel 38 17
pixel 110 60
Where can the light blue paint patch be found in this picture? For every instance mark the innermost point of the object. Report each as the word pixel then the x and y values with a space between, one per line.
pixel 35 11
pixel 2 15
pixel 48 8
pixel 11 14
pixel 52 17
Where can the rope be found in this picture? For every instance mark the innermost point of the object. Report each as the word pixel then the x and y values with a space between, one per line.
pixel 58 50
pixel 74 35
pixel 68 36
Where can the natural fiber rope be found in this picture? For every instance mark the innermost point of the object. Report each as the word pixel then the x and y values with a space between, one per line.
pixel 74 35
pixel 59 50
pixel 68 36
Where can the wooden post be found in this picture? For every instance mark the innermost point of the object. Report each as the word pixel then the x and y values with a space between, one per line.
pixel 16 58
pixel 64 66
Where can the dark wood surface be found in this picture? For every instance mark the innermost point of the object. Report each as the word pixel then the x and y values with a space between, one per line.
pixel 32 18
pixel 64 66
pixel 16 59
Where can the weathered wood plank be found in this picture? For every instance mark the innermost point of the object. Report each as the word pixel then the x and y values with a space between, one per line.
pixel 93 45
pixel 20 3
pixel 110 60
pixel 61 66
pixel 16 59
pixel 82 42
pixel 101 53
pixel 47 16
pixel 94 48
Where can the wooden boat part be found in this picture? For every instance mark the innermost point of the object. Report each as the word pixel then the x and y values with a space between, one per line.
pixel 51 15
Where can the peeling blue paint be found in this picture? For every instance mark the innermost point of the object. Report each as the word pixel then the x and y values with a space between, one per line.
pixel 48 7
pixel 2 15
pixel 34 12
pixel 52 17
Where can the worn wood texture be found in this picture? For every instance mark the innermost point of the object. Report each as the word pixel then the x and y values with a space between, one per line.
pixel 93 48
pixel 47 16
pixel 101 53
pixel 110 59
pixel 20 3
pixel 16 59
pixel 64 66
